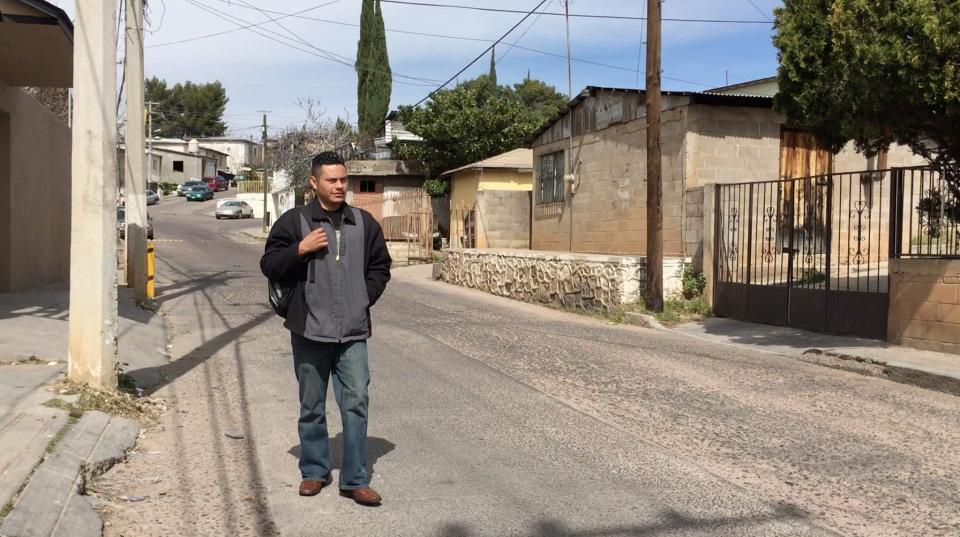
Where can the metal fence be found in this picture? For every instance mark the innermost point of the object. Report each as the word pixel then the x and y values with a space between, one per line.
pixel 810 252
pixel 405 216
pixel 927 208
pixel 463 227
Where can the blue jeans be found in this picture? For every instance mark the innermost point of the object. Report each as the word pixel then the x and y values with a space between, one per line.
pixel 314 362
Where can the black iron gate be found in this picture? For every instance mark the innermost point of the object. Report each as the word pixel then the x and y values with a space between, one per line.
pixel 809 253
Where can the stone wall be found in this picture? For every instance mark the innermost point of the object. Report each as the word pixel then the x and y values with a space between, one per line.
pixel 571 280
pixel 503 219
pixel 925 304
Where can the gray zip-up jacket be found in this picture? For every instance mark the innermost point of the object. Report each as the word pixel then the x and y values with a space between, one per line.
pixel 335 286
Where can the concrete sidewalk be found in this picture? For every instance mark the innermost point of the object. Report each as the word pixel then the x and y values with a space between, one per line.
pixel 929 369
pixel 33 356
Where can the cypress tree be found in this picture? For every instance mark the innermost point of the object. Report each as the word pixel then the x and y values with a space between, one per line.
pixel 493 65
pixel 374 78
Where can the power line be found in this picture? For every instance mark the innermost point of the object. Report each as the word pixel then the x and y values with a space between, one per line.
pixel 762 12
pixel 332 56
pixel 577 15
pixel 514 44
pixel 482 54
pixel 199 37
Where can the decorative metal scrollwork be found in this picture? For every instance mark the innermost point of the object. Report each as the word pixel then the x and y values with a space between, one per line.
pixel 769 239
pixel 859 254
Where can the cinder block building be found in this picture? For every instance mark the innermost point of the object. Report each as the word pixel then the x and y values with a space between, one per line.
pixel 725 135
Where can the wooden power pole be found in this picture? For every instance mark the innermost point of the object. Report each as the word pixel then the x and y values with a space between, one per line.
pixel 654 190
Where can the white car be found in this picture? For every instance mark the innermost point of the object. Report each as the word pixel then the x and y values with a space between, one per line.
pixel 152 198
pixel 234 209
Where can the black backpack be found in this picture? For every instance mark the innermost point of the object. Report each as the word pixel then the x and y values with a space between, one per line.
pixel 280 294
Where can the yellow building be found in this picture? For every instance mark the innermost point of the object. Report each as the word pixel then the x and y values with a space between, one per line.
pixel 490 201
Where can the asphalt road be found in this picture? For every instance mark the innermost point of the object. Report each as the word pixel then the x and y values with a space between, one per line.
pixel 491 417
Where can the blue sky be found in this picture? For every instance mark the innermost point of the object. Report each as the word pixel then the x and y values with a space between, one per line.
pixel 262 74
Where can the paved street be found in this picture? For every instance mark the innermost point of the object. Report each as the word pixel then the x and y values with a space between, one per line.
pixel 491 417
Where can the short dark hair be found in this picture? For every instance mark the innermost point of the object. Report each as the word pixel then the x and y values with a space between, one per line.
pixel 327 158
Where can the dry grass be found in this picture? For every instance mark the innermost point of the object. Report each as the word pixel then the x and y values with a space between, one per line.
pixel 145 410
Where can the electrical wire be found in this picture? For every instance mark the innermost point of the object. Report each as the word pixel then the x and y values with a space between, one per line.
pixel 199 37
pixel 482 54
pixel 573 15
pixel 332 56
pixel 762 12
pixel 514 44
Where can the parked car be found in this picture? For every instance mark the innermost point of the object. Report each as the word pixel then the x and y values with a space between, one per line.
pixel 234 209
pixel 186 186
pixel 199 193
pixel 217 183
pixel 237 179
pixel 152 198
pixel 122 223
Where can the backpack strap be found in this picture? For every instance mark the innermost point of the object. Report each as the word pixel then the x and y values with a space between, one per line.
pixel 305 229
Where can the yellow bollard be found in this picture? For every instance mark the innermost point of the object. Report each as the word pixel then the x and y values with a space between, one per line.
pixel 151 284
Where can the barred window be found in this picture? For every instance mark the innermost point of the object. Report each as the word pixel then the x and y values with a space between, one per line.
pixel 550 178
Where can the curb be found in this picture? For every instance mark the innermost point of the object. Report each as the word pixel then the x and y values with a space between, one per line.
pixel 642 320
pixel 250 235
pixel 52 503
pixel 895 371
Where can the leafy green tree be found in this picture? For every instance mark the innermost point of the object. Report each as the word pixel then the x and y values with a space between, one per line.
pixel 875 72
pixel 187 110
pixel 374 78
pixel 476 120
pixel 541 99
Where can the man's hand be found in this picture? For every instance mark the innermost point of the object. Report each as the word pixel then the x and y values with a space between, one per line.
pixel 315 241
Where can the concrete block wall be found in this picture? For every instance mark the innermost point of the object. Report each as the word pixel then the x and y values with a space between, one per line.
pixel 925 304
pixel 503 219
pixel 608 213
pixel 730 144
pixel 693 227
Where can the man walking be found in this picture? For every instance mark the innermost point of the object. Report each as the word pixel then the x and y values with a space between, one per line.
pixel 337 259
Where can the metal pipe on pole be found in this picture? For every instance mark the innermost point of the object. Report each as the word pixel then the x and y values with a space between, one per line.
pixel 654 190
pixel 92 351
pixel 266 215
pixel 135 180
pixel 569 178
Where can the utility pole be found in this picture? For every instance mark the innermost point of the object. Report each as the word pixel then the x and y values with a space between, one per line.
pixel 135 180
pixel 263 164
pixel 654 191
pixel 150 105
pixel 92 354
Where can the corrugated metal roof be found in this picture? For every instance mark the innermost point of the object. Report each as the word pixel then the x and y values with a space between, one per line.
pixel 520 158
pixel 718 99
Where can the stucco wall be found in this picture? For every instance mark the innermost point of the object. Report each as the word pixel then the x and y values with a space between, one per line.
pixel 35 187
pixel 609 209
pixel 925 304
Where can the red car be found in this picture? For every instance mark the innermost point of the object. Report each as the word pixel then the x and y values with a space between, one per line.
pixel 217 184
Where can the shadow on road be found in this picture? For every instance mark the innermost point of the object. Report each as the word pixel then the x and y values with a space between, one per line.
pixel 669 522
pixel 376 448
